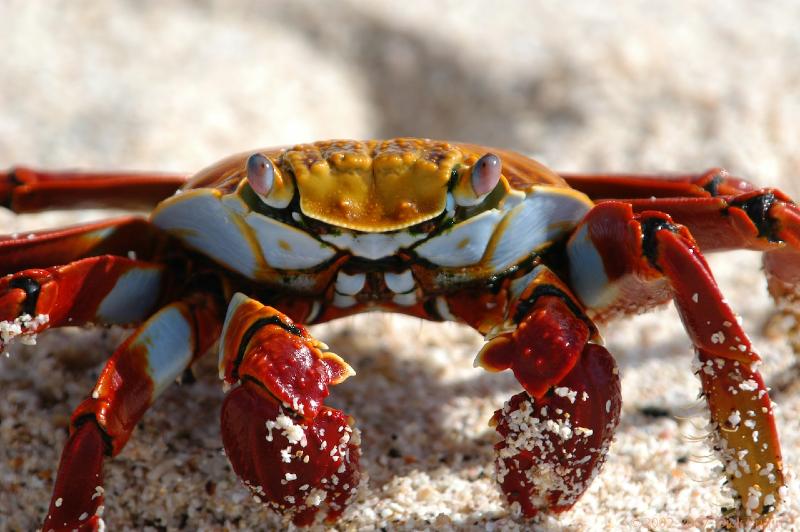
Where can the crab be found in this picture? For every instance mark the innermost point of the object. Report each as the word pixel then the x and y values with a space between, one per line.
pixel 246 252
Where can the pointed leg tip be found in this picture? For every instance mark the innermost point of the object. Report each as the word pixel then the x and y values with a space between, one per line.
pixel 78 498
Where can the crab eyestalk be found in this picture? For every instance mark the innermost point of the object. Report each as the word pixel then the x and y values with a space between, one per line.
pixel 268 182
pixel 476 182
pixel 296 455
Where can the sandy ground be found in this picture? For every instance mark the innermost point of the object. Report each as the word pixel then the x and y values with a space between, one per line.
pixel 149 85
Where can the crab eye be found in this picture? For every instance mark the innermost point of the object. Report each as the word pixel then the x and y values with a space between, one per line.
pixel 274 187
pixel 486 174
pixel 474 184
pixel 260 173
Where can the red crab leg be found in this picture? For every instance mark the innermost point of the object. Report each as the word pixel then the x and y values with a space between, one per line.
pixel 28 190
pixel 764 219
pixel 105 289
pixel 721 211
pixel 130 236
pixel 140 369
pixel 555 435
pixel 295 454
pixel 619 259
pixel 712 182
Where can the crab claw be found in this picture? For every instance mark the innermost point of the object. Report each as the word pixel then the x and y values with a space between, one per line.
pixel 554 446
pixel 293 465
pixel 77 502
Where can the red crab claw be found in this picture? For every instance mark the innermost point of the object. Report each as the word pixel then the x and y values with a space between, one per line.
pixel 295 454
pixel 79 485
pixel 553 446
pixel 293 465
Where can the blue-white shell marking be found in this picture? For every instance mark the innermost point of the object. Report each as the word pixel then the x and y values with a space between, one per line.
pixel 224 227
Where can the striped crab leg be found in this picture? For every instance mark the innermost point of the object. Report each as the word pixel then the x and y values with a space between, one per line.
pixel 129 236
pixel 29 190
pixel 556 433
pixel 295 454
pixel 712 182
pixel 138 371
pixel 620 259
pixel 723 213
pixel 105 289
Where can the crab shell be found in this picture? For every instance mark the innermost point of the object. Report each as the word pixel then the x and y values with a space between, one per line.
pixel 406 198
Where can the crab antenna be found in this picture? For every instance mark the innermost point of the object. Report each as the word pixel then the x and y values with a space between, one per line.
pixel 486 174
pixel 260 173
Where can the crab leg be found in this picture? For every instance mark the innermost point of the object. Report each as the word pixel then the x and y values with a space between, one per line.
pixel 765 220
pixel 130 236
pixel 296 455
pixel 723 213
pixel 105 289
pixel 140 369
pixel 618 260
pixel 712 182
pixel 556 433
pixel 28 190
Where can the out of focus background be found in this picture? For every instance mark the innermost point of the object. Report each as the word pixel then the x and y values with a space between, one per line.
pixel 680 85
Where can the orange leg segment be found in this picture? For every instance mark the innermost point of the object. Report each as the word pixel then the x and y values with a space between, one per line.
pixel 722 212
pixel 130 236
pixel 620 259
pixel 712 182
pixel 105 289
pixel 140 369
pixel 28 190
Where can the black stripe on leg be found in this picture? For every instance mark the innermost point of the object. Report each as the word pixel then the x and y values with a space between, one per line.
pixel 549 290
pixel 248 335
pixel 757 209
pixel 31 287
pixel 651 226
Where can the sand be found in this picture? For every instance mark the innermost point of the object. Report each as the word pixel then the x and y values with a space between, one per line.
pixel 149 85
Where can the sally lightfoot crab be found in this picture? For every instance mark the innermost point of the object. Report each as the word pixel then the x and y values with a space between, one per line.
pixel 244 252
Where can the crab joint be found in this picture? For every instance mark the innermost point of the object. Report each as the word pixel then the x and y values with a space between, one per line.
pixel 263 345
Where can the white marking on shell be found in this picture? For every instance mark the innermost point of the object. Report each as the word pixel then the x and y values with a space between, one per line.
pixel 405 300
pixel 443 309
pixel 372 245
pixel 286 247
pixel 133 296
pixel 350 285
pixel 399 282
pixel 204 223
pixel 463 244
pixel 343 301
pixel 545 214
pixel 587 272
pixel 168 340
pixel 314 312
pixel 519 285
pixel 237 300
